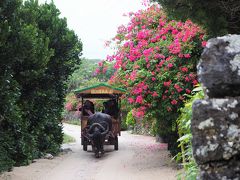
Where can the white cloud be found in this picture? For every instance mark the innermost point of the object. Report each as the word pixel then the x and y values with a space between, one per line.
pixel 95 21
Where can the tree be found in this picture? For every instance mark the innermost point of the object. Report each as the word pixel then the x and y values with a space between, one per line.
pixel 84 75
pixel 15 142
pixel 219 17
pixel 44 97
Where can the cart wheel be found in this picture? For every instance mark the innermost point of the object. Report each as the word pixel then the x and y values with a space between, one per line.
pixel 116 143
pixel 85 143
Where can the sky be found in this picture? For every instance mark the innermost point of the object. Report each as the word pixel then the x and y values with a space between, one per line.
pixel 96 21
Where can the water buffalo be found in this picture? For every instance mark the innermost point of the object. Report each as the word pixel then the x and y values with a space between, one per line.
pixel 99 125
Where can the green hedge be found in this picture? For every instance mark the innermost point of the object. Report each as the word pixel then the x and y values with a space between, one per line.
pixel 37 52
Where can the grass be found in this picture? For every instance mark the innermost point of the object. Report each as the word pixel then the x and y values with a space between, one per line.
pixel 74 122
pixel 68 139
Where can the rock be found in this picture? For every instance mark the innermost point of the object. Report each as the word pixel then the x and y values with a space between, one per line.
pixel 65 150
pixel 216 137
pixel 216 121
pixel 216 129
pixel 228 170
pixel 219 67
pixel 48 156
pixel 159 139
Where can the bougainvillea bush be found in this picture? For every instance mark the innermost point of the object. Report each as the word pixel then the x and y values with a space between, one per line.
pixel 156 62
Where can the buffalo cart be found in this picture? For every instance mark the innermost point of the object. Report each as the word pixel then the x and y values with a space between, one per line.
pixel 100 92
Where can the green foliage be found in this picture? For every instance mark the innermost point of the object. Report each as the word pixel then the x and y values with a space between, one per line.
pixel 217 16
pixel 124 126
pixel 37 53
pixel 184 123
pixel 130 121
pixel 68 139
pixel 83 76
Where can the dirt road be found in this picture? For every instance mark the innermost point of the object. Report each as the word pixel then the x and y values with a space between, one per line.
pixel 138 158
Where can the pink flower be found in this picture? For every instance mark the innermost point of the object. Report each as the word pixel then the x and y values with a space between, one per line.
pixel 176 86
pixel 179 90
pixel 162 22
pixel 145 87
pixel 164 97
pixel 130 100
pixel 195 82
pixel 204 43
pixel 170 65
pixel 187 55
pixel 188 91
pixel 133 75
pixel 180 55
pixel 153 79
pixel 155 94
pixel 164 38
pixel 142 35
pixel 97 71
pixel 191 75
pixel 137 91
pixel 139 114
pixel 105 70
pixel 110 58
pixel 132 58
pixel 174 102
pixel 187 79
pixel 100 64
pixel 161 63
pixel 184 69
pixel 139 99
pixel 174 31
pixel 167 83
pixel 169 58
pixel 69 106
pixel 147 52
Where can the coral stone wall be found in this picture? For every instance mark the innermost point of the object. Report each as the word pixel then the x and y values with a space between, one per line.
pixel 216 119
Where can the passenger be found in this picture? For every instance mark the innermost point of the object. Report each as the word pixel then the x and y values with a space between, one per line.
pixel 88 108
pixel 111 108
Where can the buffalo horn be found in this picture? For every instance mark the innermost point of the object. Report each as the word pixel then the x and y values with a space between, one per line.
pixel 107 129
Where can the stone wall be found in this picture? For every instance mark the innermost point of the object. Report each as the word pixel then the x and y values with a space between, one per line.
pixel 216 119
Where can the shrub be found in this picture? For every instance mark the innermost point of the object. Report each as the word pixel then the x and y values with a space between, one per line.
pixel 156 62
pixel 130 121
pixel 124 126
pixel 184 131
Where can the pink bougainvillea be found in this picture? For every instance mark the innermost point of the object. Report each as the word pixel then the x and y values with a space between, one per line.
pixel 156 60
pixel 69 106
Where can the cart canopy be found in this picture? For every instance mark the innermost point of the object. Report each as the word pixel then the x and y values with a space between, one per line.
pixel 100 91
